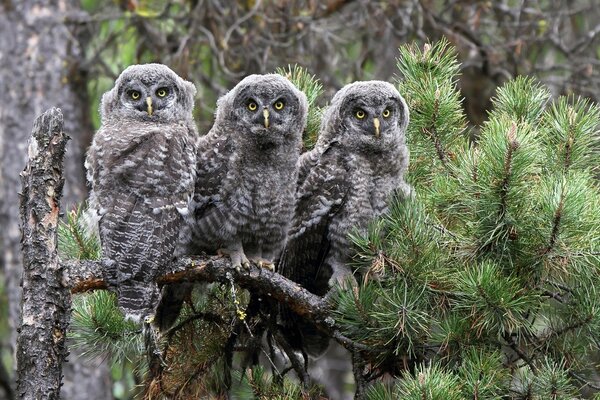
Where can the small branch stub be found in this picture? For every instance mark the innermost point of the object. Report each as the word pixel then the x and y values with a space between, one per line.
pixel 46 303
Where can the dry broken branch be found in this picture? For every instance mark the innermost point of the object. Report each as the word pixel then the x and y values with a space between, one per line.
pixel 46 302
pixel 82 276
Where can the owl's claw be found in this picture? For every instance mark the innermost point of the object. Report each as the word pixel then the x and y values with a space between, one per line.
pixel 264 263
pixel 238 258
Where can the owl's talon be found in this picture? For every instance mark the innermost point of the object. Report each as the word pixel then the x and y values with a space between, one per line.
pixel 264 263
pixel 267 265
pixel 238 258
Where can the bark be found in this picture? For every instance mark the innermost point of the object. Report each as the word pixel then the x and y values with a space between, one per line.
pixel 46 302
pixel 82 276
pixel 39 68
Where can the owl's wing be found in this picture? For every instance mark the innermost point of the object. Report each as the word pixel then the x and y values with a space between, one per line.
pixel 321 195
pixel 214 153
pixel 305 164
pixel 319 198
pixel 138 244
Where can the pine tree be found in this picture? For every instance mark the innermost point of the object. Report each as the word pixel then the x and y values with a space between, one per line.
pixel 484 285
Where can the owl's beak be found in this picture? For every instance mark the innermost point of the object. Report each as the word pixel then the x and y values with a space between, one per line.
pixel 376 124
pixel 266 116
pixel 149 103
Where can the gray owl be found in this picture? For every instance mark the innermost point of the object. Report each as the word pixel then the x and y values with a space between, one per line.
pixel 246 171
pixel 141 167
pixel 358 162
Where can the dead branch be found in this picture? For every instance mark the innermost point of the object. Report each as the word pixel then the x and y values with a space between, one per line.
pixel 82 276
pixel 46 302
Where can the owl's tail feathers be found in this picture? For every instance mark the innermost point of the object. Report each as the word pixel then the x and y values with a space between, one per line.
pixel 171 302
pixel 137 302
pixel 302 335
pixel 314 342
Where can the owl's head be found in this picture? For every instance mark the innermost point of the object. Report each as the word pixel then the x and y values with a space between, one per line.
pixel 266 109
pixel 369 115
pixel 149 92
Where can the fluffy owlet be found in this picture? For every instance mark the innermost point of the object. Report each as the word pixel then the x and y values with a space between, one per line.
pixel 141 167
pixel 246 171
pixel 344 182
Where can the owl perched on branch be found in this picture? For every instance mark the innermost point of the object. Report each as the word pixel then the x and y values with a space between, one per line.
pixel 358 162
pixel 246 171
pixel 141 167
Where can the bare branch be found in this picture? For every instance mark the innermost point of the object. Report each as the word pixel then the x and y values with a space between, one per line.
pixel 82 276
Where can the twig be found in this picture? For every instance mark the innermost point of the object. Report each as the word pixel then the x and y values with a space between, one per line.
pixel 294 360
pixel 358 369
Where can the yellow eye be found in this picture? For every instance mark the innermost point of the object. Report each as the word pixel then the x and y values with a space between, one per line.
pixel 360 114
pixel 252 106
pixel 134 94
pixel 279 105
pixel 161 92
pixel 386 113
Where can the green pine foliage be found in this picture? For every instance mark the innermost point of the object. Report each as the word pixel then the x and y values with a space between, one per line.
pixel 99 329
pixel 76 240
pixel 255 383
pixel 485 284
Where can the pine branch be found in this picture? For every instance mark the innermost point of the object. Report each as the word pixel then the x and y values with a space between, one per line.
pixel 584 381
pixel 84 276
pixel 513 145
pixel 556 223
pixel 515 347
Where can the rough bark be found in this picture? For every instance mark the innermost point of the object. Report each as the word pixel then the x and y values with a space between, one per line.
pixel 82 276
pixel 39 68
pixel 46 302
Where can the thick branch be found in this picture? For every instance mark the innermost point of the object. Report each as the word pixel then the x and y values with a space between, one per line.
pixel 82 276
pixel 46 301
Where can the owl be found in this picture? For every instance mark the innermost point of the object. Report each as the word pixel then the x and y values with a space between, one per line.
pixel 246 171
pixel 358 162
pixel 141 168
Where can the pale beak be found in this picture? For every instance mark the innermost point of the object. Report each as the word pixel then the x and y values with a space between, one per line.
pixel 376 123
pixel 266 115
pixel 149 103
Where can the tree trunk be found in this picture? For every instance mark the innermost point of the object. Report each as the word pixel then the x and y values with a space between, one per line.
pixel 39 68
pixel 46 303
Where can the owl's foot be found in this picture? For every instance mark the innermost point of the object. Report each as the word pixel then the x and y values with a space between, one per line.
pixel 264 263
pixel 238 258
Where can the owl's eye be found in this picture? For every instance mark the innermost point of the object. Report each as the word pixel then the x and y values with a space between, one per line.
pixel 252 106
pixel 279 105
pixel 135 94
pixel 162 92
pixel 386 113
pixel 360 114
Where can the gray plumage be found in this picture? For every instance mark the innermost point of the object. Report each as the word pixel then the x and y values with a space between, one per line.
pixel 343 183
pixel 246 171
pixel 141 167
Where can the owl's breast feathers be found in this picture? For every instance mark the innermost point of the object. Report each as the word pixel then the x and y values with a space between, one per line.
pixel 154 162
